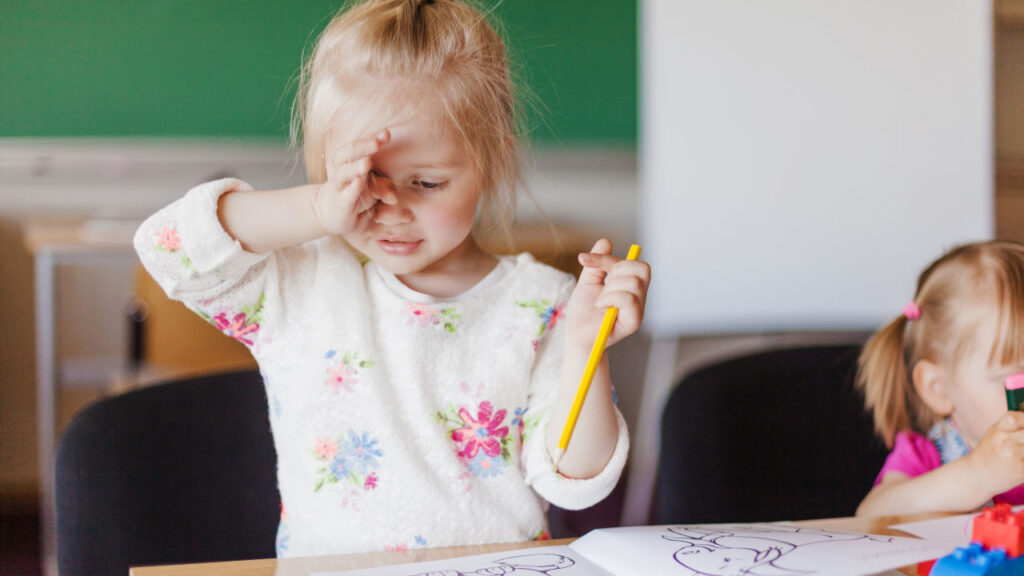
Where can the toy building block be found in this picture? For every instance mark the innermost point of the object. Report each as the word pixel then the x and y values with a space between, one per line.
pixel 1000 527
pixel 974 560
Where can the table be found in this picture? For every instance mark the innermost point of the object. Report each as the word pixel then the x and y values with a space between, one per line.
pixel 305 566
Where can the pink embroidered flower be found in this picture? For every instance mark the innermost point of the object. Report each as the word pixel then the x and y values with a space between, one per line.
pixel 168 239
pixel 236 328
pixel 340 377
pixel 371 481
pixel 421 314
pixel 326 448
pixel 484 432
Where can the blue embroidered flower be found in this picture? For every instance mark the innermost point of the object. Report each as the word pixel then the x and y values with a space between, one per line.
pixel 339 467
pixel 359 452
pixel 517 418
pixel 484 466
pixel 282 539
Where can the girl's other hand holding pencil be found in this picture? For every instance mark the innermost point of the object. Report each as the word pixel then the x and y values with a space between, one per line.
pixel 605 281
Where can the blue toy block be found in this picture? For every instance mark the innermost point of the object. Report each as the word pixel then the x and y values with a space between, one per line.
pixel 974 560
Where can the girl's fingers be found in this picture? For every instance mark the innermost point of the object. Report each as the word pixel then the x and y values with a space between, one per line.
pixel 342 174
pixel 347 162
pixel 1013 420
pixel 356 197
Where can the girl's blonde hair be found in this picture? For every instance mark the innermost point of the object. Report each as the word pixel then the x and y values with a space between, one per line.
pixel 955 294
pixel 440 58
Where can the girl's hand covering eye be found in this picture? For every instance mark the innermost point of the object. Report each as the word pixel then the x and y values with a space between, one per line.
pixel 346 201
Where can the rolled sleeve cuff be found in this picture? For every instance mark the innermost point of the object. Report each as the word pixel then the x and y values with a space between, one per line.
pixel 574 493
pixel 206 242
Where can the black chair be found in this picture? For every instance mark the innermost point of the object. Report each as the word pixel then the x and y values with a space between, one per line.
pixel 178 472
pixel 776 435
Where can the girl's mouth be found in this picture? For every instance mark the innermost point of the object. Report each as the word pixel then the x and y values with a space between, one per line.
pixel 398 247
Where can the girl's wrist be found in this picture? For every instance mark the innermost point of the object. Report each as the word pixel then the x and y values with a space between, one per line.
pixel 979 476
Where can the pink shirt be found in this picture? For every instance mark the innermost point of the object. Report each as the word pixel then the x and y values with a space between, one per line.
pixel 914 454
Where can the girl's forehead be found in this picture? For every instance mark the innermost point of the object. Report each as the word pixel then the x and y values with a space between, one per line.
pixel 367 118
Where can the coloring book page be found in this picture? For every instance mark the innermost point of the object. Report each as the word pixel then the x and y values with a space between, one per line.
pixel 762 549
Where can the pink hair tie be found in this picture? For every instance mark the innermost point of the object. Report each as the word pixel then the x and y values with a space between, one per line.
pixel 912 311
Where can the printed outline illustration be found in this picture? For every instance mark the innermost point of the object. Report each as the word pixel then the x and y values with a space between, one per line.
pixel 730 552
pixel 520 565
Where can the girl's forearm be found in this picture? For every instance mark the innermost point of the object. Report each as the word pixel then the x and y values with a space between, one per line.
pixel 268 220
pixel 949 488
pixel 597 430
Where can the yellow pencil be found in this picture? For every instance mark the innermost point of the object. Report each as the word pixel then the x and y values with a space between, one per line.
pixel 588 372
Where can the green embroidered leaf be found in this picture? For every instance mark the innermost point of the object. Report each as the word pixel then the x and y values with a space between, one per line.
pixel 366 363
pixel 449 327
pixel 319 485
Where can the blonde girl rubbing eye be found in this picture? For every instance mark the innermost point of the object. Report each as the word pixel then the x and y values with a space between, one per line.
pixel 934 378
pixel 417 383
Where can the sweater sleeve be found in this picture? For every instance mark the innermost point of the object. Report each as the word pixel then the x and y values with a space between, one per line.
pixel 562 491
pixel 186 250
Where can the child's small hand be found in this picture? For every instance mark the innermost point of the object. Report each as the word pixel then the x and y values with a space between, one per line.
pixel 346 201
pixel 606 281
pixel 999 456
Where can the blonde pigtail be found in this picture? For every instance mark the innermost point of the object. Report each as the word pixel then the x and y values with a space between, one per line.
pixel 882 377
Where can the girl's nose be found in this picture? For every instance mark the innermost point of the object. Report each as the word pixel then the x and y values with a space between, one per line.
pixel 390 210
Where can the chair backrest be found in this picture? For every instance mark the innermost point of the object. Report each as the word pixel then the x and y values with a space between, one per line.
pixel 177 472
pixel 776 435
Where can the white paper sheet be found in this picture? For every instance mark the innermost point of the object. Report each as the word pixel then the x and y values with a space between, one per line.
pixel 547 560
pixel 743 549
pixel 776 549
pixel 952 529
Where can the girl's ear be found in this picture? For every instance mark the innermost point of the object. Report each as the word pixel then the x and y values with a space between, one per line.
pixel 932 385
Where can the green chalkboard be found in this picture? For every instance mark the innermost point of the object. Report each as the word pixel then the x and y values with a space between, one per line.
pixel 226 68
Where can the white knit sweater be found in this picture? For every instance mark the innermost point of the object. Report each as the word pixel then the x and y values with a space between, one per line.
pixel 399 420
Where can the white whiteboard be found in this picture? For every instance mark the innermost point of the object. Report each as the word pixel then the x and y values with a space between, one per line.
pixel 801 161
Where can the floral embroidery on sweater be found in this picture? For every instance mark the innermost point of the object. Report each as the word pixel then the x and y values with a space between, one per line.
pixel 352 458
pixel 418 542
pixel 482 443
pixel 167 239
pixel 281 544
pixel 242 326
pixel 426 315
pixel 548 314
pixel 341 374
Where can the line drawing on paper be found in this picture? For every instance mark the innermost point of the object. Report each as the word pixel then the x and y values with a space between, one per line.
pixel 730 552
pixel 520 565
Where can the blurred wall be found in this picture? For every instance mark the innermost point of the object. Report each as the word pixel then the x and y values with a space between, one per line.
pixel 221 68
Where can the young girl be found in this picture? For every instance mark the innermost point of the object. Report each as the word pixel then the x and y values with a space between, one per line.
pixel 934 378
pixel 417 385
